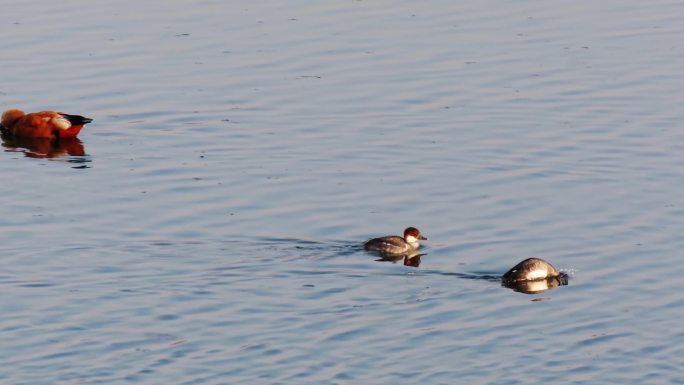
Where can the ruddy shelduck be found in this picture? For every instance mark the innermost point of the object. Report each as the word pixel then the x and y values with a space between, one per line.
pixel 44 124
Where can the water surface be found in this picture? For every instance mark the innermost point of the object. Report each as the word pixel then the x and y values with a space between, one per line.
pixel 208 230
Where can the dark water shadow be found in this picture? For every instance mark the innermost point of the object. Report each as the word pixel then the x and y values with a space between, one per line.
pixel 411 260
pixel 526 287
pixel 331 247
pixel 292 249
pixel 480 276
pixel 71 150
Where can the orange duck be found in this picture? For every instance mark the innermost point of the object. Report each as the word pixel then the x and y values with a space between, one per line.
pixel 44 124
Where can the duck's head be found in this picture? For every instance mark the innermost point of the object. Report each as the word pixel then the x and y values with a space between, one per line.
pixel 412 235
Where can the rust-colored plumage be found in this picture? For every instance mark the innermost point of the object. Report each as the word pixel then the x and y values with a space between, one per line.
pixel 44 124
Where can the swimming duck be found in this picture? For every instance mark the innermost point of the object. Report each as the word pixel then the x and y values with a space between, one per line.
pixel 531 269
pixel 44 124
pixel 394 244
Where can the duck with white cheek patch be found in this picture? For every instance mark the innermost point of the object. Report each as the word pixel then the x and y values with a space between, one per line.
pixel 395 244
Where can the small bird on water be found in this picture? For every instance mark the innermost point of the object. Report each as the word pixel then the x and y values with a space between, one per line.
pixel 394 244
pixel 531 269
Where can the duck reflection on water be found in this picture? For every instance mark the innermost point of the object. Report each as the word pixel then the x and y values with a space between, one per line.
pixel 43 147
pixel 537 286
pixel 411 259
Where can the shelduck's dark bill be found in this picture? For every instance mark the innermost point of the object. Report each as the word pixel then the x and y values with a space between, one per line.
pixel 76 119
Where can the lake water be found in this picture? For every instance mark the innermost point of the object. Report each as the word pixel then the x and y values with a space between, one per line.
pixel 206 229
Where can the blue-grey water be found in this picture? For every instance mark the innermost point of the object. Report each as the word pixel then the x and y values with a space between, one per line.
pixel 207 227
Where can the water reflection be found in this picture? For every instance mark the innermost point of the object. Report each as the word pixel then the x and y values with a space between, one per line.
pixel 412 260
pixel 43 147
pixel 536 286
pixel 527 287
